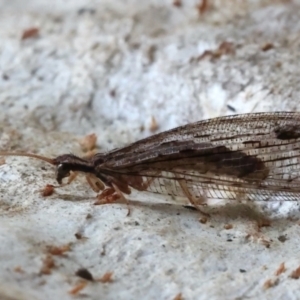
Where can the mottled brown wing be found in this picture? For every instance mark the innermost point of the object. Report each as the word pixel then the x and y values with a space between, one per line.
pixel 257 155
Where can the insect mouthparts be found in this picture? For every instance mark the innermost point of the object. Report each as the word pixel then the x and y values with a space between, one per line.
pixel 61 172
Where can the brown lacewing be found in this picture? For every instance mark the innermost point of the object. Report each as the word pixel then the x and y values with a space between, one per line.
pixel 255 156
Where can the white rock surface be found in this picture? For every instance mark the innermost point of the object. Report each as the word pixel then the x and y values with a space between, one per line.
pixel 108 67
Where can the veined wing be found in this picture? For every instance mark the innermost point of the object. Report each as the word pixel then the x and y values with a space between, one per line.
pixel 257 155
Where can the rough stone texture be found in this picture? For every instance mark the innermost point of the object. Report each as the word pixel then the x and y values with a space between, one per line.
pixel 108 67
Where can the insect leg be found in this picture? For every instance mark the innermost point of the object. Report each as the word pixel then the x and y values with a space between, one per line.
pixel 145 185
pixel 191 198
pixel 94 182
pixel 105 196
pixel 110 195
pixel 121 196
pixel 71 178
pixel 137 182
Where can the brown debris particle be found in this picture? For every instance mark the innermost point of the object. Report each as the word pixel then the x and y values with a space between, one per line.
pixel 48 190
pixel 88 216
pixel 178 297
pixel 78 235
pixel 19 269
pixel 225 48
pixel 48 264
pixel 106 278
pixel 30 33
pixel 266 243
pixel 151 53
pixel 263 222
pixel 282 238
pixel 202 7
pixel 280 270
pixel 259 238
pixel 228 226
pixel 112 93
pixel 207 53
pixel 177 3
pixel 153 125
pixel 55 250
pixel 295 274
pixel 203 220
pixel 142 128
pixel 267 47
pixel 270 283
pixel 88 143
pixel 78 287
pixel 85 274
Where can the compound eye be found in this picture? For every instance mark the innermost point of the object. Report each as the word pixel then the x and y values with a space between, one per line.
pixel 62 171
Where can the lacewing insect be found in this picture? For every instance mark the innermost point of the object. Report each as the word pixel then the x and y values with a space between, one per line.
pixel 255 156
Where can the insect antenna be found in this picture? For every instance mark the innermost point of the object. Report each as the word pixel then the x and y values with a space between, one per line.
pixel 46 159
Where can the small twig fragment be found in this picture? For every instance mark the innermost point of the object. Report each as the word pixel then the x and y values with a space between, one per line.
pixel 295 274
pixel 106 278
pixel 270 283
pixel 48 265
pixel 225 48
pixel 59 250
pixel 280 270
pixel 78 287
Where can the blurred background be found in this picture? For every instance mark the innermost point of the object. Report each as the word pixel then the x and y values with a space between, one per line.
pixel 128 69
